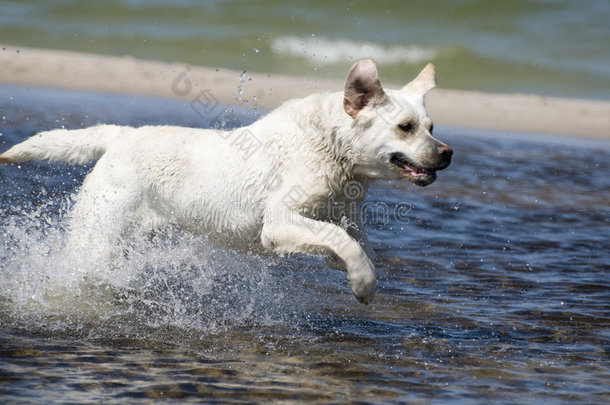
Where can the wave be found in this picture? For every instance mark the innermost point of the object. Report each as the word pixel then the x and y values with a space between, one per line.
pixel 324 51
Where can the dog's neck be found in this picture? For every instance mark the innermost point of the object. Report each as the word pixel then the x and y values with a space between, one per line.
pixel 330 138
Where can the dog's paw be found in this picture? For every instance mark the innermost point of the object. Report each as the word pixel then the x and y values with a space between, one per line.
pixel 362 282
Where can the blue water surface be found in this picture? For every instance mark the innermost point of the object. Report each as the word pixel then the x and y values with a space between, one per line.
pixel 493 284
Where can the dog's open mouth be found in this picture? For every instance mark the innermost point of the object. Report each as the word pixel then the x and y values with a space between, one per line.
pixel 416 174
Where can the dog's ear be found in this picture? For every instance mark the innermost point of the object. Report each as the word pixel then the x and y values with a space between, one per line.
pixel 423 83
pixel 362 87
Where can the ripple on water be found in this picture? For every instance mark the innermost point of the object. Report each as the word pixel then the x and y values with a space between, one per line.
pixel 494 287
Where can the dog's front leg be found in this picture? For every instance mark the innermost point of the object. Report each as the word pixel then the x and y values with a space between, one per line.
pixel 357 232
pixel 285 231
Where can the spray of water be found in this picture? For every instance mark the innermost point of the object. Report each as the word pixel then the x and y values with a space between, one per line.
pixel 167 280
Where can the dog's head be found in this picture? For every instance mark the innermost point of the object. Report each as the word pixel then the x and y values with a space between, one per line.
pixel 391 130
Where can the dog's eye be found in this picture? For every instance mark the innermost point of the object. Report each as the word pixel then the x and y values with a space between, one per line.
pixel 407 127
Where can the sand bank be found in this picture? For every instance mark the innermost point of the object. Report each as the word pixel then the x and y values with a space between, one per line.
pixel 508 112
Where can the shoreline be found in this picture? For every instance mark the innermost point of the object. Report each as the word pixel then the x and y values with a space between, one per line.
pixel 127 75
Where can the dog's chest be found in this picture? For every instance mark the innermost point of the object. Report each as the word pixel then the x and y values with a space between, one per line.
pixel 328 205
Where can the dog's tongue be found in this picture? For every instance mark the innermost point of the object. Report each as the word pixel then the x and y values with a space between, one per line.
pixel 416 170
pixel 411 169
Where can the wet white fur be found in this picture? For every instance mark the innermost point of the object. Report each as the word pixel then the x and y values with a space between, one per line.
pixel 261 198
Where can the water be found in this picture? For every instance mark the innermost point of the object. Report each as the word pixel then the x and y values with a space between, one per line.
pixel 492 288
pixel 551 47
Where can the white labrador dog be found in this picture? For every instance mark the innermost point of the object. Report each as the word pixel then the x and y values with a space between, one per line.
pixel 272 186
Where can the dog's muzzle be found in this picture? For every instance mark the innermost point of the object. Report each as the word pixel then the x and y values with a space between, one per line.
pixel 422 176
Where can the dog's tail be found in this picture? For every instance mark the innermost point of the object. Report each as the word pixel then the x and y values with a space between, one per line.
pixel 71 146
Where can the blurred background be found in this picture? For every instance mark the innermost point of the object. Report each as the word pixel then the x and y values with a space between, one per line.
pixel 548 47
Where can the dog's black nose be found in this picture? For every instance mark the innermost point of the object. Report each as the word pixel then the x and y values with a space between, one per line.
pixel 445 152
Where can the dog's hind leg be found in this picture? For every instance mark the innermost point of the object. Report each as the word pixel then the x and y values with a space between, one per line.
pixel 104 209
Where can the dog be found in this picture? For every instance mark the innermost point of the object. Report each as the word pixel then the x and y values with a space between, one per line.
pixel 271 186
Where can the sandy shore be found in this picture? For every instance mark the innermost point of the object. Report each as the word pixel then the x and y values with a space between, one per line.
pixel 509 112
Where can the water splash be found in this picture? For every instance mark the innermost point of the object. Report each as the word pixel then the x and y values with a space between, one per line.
pixel 171 279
